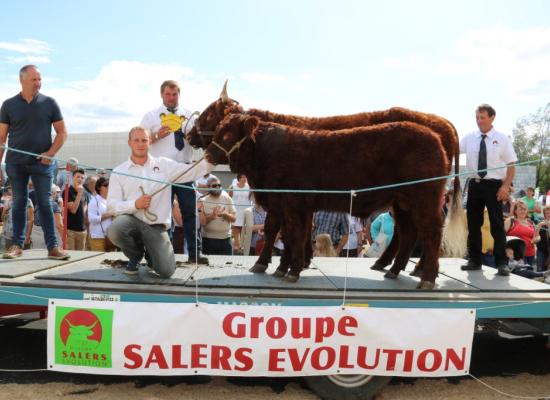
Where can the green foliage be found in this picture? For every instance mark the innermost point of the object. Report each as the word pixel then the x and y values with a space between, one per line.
pixel 532 142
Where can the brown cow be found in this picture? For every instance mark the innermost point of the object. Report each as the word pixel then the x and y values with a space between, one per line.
pixel 201 134
pixel 343 160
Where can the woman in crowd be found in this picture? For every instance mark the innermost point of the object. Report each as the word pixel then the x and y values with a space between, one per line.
pixel 99 218
pixel 533 208
pixel 521 226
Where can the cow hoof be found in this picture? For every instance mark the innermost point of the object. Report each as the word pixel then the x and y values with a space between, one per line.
pixel 258 268
pixel 416 272
pixel 292 278
pixel 390 275
pixel 426 285
pixel 279 273
pixel 378 267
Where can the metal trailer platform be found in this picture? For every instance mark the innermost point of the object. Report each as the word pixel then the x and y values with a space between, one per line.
pixel 28 282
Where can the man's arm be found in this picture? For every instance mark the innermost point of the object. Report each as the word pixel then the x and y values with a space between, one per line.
pixel 504 190
pixel 30 224
pixel 341 243
pixel 73 205
pixel 3 137
pixel 60 138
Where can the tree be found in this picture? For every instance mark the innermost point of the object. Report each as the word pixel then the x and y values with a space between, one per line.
pixel 532 143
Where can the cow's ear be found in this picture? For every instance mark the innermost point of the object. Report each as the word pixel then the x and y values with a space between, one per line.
pixel 251 125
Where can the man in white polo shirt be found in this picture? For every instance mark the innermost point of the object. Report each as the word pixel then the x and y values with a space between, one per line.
pixel 143 211
pixel 491 155
pixel 167 124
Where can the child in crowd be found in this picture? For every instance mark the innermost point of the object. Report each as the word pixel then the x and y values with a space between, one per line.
pixel 323 246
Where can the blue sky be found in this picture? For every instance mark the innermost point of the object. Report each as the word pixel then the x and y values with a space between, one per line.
pixel 104 60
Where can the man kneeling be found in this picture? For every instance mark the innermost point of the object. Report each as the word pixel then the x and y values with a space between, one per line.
pixel 143 216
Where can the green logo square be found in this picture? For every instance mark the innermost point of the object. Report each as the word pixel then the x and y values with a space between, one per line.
pixel 83 337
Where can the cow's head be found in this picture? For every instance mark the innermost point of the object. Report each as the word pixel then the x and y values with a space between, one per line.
pixel 201 134
pixel 81 331
pixel 231 135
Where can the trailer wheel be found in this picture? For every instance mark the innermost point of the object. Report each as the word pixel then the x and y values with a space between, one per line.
pixel 347 387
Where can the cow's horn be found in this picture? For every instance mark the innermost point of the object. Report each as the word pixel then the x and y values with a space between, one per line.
pixel 223 95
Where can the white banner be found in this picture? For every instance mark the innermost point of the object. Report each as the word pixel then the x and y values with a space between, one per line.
pixel 206 339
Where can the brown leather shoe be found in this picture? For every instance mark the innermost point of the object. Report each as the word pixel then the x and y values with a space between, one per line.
pixel 57 254
pixel 13 252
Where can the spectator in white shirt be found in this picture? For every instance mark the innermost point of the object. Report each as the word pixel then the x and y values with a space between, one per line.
pixel 98 216
pixel 168 125
pixel 491 156
pixel 143 210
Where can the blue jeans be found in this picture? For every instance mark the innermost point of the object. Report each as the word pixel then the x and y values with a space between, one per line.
pixel 137 239
pixel 187 200
pixel 42 178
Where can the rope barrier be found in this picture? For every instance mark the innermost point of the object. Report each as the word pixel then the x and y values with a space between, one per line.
pixel 312 191
pixel 514 396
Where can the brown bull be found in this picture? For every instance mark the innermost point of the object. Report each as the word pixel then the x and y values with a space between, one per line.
pixel 279 157
pixel 201 135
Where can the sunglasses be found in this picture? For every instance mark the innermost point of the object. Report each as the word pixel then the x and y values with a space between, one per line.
pixel 216 185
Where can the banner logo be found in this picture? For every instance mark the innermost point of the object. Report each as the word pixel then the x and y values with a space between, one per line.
pixel 83 337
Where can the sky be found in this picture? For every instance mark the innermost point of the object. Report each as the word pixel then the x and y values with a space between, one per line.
pixel 104 61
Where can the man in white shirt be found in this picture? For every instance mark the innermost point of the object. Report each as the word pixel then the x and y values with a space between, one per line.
pixel 490 150
pixel 216 214
pixel 143 212
pixel 167 124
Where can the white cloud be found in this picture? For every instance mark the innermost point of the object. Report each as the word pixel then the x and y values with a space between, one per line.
pixel 409 62
pixel 28 60
pixel 516 59
pixel 257 77
pixel 123 91
pixel 28 46
pixel 118 97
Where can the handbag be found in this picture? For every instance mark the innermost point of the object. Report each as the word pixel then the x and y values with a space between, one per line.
pixel 378 246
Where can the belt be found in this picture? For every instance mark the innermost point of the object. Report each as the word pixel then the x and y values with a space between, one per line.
pixel 479 180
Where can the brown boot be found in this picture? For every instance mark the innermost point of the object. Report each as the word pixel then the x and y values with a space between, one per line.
pixel 13 252
pixel 57 254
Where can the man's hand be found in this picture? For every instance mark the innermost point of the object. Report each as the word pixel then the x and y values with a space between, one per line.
pixel 217 211
pixel 143 202
pixel 79 189
pixel 503 193
pixel 163 132
pixel 45 160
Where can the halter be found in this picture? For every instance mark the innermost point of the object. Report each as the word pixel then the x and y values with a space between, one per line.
pixel 236 146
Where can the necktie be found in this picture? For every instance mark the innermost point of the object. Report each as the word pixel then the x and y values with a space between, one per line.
pixel 178 135
pixel 482 160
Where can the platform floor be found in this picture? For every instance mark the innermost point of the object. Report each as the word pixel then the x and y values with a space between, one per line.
pixel 326 276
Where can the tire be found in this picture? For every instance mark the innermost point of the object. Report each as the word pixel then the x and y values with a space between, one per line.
pixel 347 387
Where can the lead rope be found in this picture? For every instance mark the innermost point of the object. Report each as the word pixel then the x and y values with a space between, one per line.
pixel 152 216
pixel 352 195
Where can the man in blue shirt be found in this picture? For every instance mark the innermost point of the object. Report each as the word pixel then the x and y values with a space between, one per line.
pixel 26 121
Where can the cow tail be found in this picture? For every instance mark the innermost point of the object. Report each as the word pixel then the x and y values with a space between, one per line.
pixel 455 229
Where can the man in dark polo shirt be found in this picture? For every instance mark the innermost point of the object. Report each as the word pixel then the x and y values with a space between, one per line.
pixel 76 207
pixel 26 122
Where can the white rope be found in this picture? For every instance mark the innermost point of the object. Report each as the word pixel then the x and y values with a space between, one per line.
pixel 24 294
pixel 351 196
pixel 513 305
pixel 24 370
pixel 515 396
pixel 197 253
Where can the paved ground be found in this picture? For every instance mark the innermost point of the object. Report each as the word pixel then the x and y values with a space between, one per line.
pixel 520 366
